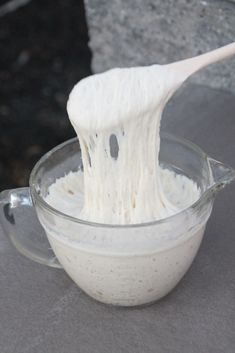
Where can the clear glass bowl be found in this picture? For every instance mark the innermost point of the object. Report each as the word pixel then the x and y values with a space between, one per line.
pixel 120 265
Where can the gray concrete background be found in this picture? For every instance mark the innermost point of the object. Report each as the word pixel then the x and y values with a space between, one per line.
pixel 137 32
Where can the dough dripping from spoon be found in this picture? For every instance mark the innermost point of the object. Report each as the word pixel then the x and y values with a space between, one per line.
pixel 117 116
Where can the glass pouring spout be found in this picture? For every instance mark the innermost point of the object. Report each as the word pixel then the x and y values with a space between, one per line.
pixel 220 174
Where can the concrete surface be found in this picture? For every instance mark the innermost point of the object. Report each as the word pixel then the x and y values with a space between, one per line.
pixel 42 310
pixel 136 32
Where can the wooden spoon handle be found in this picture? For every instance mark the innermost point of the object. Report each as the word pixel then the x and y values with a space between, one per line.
pixel 188 67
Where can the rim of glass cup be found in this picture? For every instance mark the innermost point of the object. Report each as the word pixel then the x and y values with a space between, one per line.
pixel 193 207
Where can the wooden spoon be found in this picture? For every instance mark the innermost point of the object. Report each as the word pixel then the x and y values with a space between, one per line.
pixel 188 67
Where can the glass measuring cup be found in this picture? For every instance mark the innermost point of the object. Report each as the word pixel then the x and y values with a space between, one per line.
pixel 120 265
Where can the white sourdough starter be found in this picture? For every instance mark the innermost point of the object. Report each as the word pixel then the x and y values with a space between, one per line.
pixel 123 107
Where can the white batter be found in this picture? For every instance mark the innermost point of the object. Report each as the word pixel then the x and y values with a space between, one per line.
pixel 123 105
pixel 67 193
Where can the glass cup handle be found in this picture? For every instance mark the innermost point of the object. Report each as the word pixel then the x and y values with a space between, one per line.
pixel 20 223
